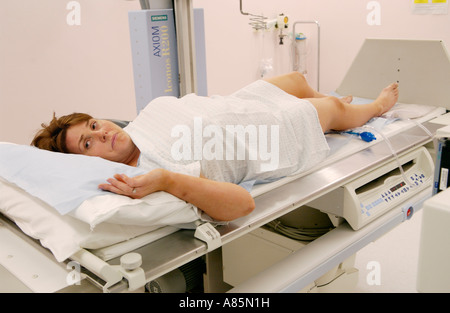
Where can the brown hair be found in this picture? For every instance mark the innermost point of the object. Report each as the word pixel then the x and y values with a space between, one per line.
pixel 53 136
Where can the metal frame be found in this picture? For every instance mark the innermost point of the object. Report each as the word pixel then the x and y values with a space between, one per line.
pixel 318 46
pixel 315 259
pixel 258 22
pixel 184 21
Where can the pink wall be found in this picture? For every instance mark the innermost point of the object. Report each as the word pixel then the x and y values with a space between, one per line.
pixel 47 65
pixel 234 50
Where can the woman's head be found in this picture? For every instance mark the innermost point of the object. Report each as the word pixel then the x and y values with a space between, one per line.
pixel 53 136
pixel 80 133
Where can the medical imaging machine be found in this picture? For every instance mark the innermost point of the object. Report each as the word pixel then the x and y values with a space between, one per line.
pixel 306 229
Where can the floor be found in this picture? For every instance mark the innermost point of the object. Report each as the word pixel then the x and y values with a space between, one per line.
pixel 389 264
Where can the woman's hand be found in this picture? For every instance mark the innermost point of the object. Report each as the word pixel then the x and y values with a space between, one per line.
pixel 138 186
pixel 220 200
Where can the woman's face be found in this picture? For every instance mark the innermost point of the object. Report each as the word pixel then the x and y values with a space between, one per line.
pixel 103 139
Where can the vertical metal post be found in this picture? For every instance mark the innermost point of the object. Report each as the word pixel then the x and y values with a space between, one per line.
pixel 318 46
pixel 144 4
pixel 184 23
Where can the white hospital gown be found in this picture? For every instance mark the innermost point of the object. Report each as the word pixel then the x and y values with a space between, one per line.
pixel 280 135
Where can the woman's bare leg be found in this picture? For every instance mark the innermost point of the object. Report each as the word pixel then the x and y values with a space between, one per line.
pixel 295 84
pixel 335 114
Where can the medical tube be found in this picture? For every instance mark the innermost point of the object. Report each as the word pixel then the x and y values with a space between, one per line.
pixel 388 142
pixel 421 126
pixel 392 150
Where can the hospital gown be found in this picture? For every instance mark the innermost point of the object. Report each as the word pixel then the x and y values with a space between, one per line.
pixel 259 133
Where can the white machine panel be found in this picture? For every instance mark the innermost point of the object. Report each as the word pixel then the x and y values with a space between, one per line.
pixel 433 274
pixel 374 193
pixel 421 67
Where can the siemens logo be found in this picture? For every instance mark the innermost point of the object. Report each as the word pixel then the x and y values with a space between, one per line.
pixel 156 18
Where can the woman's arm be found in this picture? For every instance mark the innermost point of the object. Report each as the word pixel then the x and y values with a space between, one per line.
pixel 220 200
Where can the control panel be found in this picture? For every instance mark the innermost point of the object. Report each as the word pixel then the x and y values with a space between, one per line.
pixel 380 190
pixel 391 192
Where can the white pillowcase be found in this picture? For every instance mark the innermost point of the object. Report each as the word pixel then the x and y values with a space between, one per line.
pixel 98 222
pixel 96 219
pixel 62 180
pixel 157 209
pixel 63 235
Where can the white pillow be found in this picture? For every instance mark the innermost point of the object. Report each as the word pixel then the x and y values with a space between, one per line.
pixel 157 209
pixel 63 235
pixel 68 183
pixel 62 180
pixel 37 189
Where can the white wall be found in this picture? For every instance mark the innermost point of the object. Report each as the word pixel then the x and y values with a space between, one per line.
pixel 47 65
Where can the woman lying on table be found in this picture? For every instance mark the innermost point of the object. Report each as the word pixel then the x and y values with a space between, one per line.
pixel 203 150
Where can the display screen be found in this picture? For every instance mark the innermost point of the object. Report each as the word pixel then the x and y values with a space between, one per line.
pixel 398 186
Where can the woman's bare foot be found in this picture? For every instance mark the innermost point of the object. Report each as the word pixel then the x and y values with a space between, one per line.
pixel 387 98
